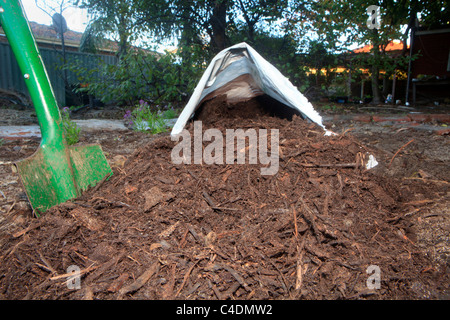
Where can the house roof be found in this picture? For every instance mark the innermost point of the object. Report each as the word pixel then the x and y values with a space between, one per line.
pixel 42 32
pixel 394 45
pixel 46 35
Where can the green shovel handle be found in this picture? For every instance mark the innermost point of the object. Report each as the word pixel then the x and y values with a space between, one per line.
pixel 23 44
pixel 52 160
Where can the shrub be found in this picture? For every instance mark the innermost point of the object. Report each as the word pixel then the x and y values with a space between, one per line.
pixel 70 128
pixel 138 75
pixel 143 119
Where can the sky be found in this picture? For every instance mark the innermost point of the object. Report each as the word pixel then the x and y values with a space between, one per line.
pixel 76 18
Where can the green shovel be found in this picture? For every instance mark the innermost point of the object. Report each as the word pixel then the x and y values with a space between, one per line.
pixel 56 172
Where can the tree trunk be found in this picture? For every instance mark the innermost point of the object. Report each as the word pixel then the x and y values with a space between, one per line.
pixel 250 23
pixel 218 21
pixel 123 38
pixel 349 84
pixel 123 47
pixel 376 94
pixel 385 90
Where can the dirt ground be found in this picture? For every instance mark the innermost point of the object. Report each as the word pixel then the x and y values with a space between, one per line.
pixel 156 230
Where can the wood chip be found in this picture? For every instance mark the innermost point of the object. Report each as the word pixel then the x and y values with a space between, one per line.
pixel 141 281
pixel 155 196
pixel 118 283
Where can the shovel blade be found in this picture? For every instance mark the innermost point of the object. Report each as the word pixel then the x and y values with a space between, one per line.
pixel 51 178
pixel 89 166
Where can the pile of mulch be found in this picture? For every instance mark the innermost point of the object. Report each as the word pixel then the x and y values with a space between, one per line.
pixel 158 230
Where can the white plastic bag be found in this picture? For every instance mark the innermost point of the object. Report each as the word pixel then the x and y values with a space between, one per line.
pixel 241 73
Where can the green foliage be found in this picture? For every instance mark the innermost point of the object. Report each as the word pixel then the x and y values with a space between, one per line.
pixel 140 75
pixel 113 19
pixel 294 35
pixel 143 119
pixel 169 114
pixel 70 128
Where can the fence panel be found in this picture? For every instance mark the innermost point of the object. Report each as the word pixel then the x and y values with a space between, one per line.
pixel 11 77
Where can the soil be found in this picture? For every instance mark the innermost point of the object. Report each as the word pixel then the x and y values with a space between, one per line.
pixel 159 230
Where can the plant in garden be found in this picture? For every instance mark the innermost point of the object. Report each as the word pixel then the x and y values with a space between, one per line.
pixel 170 113
pixel 128 117
pixel 70 128
pixel 143 119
